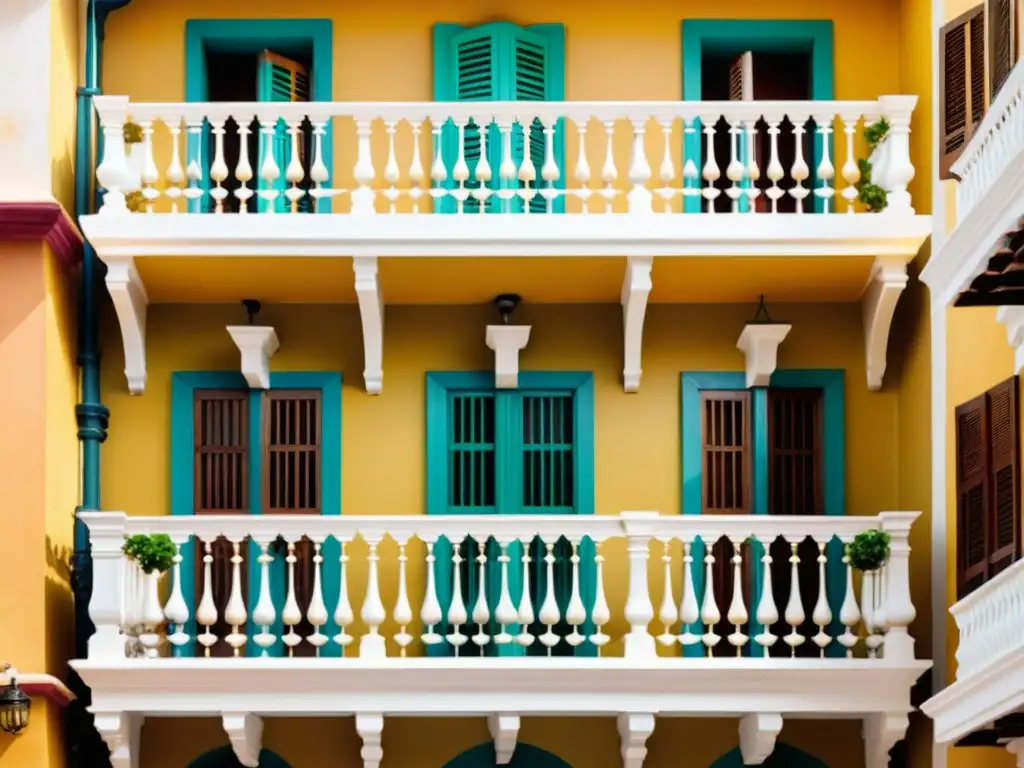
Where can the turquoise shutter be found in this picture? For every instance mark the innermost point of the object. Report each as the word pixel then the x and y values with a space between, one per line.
pixel 472 453
pixel 280 79
pixel 529 82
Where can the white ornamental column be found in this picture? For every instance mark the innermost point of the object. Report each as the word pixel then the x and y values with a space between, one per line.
pixel 895 591
pixel 639 643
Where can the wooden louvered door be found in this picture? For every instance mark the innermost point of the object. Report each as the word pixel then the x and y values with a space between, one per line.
pixel 795 488
pixel 972 493
pixel 220 487
pixel 1002 42
pixel 292 477
pixel 961 84
pixel 1004 525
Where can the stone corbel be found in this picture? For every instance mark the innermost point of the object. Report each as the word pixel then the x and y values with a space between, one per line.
pixel 878 305
pixel 1016 748
pixel 759 343
pixel 371 311
pixel 1013 318
pixel 881 733
pixel 245 732
pixel 634 730
pixel 505 731
pixel 370 727
pixel 130 302
pixel 507 341
pixel 636 288
pixel 758 732
pixel 257 344
pixel 121 731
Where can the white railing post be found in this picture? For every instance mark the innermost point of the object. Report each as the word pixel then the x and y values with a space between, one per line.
pixel 896 600
pixel 900 170
pixel 639 643
pixel 363 197
pixel 112 172
pixel 640 198
pixel 106 533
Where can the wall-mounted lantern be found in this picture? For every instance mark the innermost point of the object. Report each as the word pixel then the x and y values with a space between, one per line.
pixel 14 704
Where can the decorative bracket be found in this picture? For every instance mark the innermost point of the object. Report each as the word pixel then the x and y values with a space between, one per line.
pixel 1016 748
pixel 881 733
pixel 634 730
pixel 888 279
pixel 636 288
pixel 121 731
pixel 758 732
pixel 130 302
pixel 507 341
pixel 245 732
pixel 257 343
pixel 371 310
pixel 370 727
pixel 760 343
pixel 504 730
pixel 1013 318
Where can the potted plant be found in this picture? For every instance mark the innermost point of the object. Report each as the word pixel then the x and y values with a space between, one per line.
pixel 149 557
pixel 868 553
pixel 875 168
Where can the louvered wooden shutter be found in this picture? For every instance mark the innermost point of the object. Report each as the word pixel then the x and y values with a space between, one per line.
pixel 472 481
pixel 548 462
pixel 962 84
pixel 1002 42
pixel 741 78
pixel 291 448
pixel 282 79
pixel 972 473
pixel 1004 521
pixel 221 448
pixel 530 83
pixel 794 452
pixel 725 429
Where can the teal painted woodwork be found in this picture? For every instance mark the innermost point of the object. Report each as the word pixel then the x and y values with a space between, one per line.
pixel 784 756
pixel 224 757
pixel 253 36
pixel 274 84
pixel 520 442
pixel 733 37
pixel 499 61
pixel 525 756
pixel 183 386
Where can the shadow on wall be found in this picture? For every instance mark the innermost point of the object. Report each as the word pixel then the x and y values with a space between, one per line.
pixel 224 757
pixel 525 756
pixel 784 756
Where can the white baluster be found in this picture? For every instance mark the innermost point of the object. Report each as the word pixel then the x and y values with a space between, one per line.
pixel 218 168
pixel 527 170
pixel 343 615
pixel 767 611
pixel 291 615
pixel 483 171
pixel 269 170
pixel 734 171
pixel 609 173
pixel 689 612
pixel 737 614
pixel 294 173
pixel 639 612
pixel 800 171
pixel 430 611
pixel 709 612
pixel 575 612
pixel 639 198
pixel 896 601
pixel 234 611
pixel 600 614
pixel 391 174
pixel 371 645
pixel 826 170
pixel 113 172
pixel 711 172
pixel 851 173
pixel 849 614
pixel 868 597
pixel 549 613
pixel 150 175
pixel 194 171
pixel 899 173
pixel 753 171
pixel 549 172
pixel 363 196
pixel 438 171
pixel 524 638
pixel 775 170
pixel 264 615
pixel 582 170
pixel 316 614
pixel 795 606
pixel 460 171
pixel 243 171
pixel 403 611
pixel 505 611
pixel 667 614
pixel 667 171
pixel 176 610
pixel 481 611
pixel 318 172
pixel 206 614
pixel 416 174
pixel 691 175
pixel 822 614
pixel 457 615
pixel 507 170
pixel 175 172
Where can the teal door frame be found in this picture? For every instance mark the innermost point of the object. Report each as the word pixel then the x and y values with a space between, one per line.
pixel 734 36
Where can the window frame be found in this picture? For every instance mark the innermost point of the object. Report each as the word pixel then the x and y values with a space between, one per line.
pixel 182 481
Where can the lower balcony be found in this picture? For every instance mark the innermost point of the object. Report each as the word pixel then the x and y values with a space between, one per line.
pixel 985 705
pixel 636 615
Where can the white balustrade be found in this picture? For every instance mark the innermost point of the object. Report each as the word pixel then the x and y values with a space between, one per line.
pixel 990 620
pixel 510 585
pixel 484 156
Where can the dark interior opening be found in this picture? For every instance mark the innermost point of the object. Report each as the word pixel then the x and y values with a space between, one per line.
pixel 777 77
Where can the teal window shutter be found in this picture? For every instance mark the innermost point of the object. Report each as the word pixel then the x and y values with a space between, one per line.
pixel 500 62
pixel 280 80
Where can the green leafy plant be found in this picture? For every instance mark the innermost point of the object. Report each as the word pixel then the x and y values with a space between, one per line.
pixel 152 553
pixel 869 550
pixel 135 201
pixel 132 133
pixel 873 197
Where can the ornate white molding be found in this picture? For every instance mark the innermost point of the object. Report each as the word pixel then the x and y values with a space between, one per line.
pixel 634 730
pixel 1013 319
pixel 758 733
pixel 878 305
pixel 245 732
pixel 507 341
pixel 370 727
pixel 636 288
pixel 760 342
pixel 130 302
pixel 371 310
pixel 121 732
pixel 257 343
pixel 881 733
pixel 504 730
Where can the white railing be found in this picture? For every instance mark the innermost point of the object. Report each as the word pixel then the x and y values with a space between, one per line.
pixel 991 622
pixel 598 157
pixel 361 567
pixel 995 145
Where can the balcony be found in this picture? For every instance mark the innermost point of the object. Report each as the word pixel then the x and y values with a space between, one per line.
pixel 982 706
pixel 604 615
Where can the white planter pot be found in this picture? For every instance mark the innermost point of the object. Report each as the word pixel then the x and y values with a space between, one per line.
pixel 152 613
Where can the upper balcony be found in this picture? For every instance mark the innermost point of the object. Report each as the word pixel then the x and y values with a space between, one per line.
pixel 631 615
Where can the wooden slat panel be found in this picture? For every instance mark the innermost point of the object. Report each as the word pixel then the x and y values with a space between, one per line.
pixel 961 84
pixel 471 451
pixel 221 451
pixel 1004 520
pixel 548 431
pixel 725 436
pixel 794 452
pixel 972 478
pixel 291 449
pixel 1002 42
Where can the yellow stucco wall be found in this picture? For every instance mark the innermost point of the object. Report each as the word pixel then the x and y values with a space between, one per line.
pixel 39 474
pixel 64 68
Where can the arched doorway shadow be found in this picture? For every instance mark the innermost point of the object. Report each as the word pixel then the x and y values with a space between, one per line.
pixel 784 756
pixel 224 757
pixel 525 756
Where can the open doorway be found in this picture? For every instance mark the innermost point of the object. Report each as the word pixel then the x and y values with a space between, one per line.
pixel 759 76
